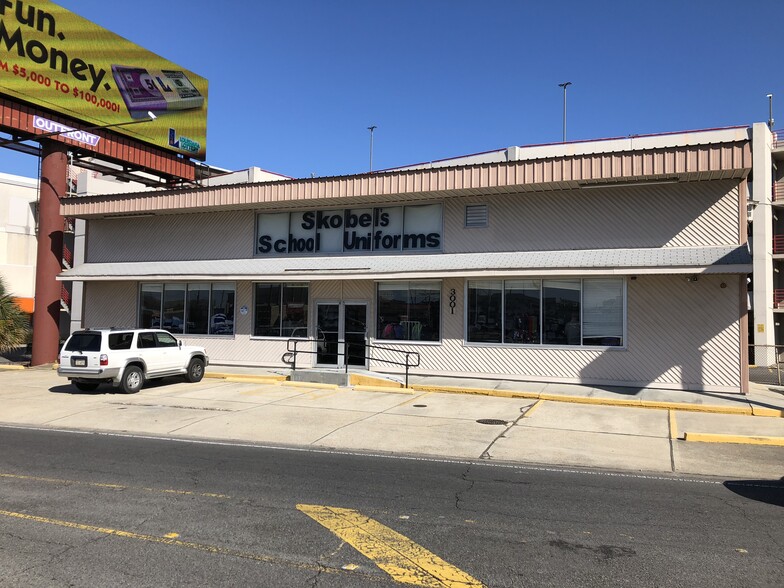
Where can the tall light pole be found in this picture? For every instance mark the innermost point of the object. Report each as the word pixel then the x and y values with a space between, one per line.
pixel 564 86
pixel 371 129
pixel 770 111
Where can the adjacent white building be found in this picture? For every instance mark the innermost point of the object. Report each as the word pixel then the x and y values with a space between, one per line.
pixel 18 198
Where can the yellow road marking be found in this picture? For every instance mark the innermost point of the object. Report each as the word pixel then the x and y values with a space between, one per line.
pixel 167 540
pixel 394 553
pixel 113 486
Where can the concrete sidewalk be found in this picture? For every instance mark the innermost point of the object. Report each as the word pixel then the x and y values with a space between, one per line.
pixel 646 431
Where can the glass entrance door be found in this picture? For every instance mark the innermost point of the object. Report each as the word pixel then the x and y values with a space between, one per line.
pixel 341 333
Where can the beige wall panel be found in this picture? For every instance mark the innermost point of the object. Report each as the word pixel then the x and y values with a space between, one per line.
pixel 660 351
pixel 217 235
pixel 110 304
pixel 665 215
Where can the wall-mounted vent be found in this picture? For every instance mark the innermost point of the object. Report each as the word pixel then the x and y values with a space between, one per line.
pixel 476 215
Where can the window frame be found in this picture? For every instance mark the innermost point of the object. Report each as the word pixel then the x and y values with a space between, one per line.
pixel 406 284
pixel 186 285
pixel 282 285
pixel 541 344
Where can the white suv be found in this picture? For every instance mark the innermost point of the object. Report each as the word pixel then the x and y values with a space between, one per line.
pixel 128 357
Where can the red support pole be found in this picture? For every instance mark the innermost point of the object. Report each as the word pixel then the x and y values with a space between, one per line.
pixel 46 317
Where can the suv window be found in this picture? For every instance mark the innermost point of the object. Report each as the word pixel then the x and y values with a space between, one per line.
pixel 166 340
pixel 146 340
pixel 120 340
pixel 84 342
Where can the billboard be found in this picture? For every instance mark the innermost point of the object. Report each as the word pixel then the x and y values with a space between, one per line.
pixel 57 60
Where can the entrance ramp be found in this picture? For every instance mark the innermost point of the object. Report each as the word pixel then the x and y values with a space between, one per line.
pixel 341 378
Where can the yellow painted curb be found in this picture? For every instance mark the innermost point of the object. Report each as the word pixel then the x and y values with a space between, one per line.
pixel 384 389
pixel 767 412
pixel 310 385
pixel 11 367
pixel 743 439
pixel 250 378
pixel 458 389
pixel 589 400
pixel 365 380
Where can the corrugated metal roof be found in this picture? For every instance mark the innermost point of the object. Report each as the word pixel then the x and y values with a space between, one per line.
pixel 669 260
pixel 691 162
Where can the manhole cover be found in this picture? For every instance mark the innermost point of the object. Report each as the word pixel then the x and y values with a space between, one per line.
pixel 491 422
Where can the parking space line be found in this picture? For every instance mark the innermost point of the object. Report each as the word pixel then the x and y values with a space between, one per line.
pixel 533 407
pixel 673 425
pixel 113 486
pixel 394 553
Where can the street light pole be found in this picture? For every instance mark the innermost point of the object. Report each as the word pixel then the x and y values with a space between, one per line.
pixel 564 86
pixel 770 111
pixel 371 129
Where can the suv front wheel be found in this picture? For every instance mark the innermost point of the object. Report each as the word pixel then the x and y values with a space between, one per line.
pixel 195 370
pixel 132 380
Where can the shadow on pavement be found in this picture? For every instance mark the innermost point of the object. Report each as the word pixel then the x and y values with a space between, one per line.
pixel 105 388
pixel 769 491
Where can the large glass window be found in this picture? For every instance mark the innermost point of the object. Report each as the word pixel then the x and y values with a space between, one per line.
pixel 198 308
pixel 150 298
pixel 280 310
pixel 484 311
pixel 188 308
pixel 561 316
pixel 603 312
pixel 586 311
pixel 522 311
pixel 174 307
pixel 222 309
pixel 409 311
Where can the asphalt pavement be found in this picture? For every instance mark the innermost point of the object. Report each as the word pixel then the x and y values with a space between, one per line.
pixel 647 430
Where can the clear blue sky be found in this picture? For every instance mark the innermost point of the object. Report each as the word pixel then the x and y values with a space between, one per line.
pixel 294 84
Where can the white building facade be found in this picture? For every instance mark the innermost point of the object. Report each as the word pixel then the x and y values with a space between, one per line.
pixel 619 263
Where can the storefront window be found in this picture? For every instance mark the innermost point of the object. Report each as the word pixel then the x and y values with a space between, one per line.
pixel 522 310
pixel 409 311
pixel 222 309
pixel 603 312
pixel 198 309
pixel 484 311
pixel 150 298
pixel 561 312
pixel 280 310
pixel 188 308
pixel 174 307
pixel 552 312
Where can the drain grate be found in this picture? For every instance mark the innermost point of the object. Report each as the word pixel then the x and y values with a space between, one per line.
pixel 491 422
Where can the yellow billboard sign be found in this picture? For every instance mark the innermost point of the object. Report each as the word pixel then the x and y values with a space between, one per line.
pixel 55 59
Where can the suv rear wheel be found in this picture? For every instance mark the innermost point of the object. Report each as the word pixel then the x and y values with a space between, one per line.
pixel 132 380
pixel 195 370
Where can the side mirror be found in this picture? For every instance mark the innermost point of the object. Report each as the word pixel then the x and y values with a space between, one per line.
pixel 179 343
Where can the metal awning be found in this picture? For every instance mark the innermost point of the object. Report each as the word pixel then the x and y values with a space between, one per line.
pixel 664 260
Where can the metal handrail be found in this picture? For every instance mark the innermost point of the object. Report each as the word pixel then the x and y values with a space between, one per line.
pixel 291 349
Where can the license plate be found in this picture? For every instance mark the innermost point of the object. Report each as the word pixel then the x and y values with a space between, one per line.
pixel 79 362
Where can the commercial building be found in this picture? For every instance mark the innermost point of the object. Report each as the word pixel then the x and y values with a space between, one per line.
pixel 618 262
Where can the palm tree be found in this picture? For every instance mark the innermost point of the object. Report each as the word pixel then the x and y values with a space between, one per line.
pixel 14 324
